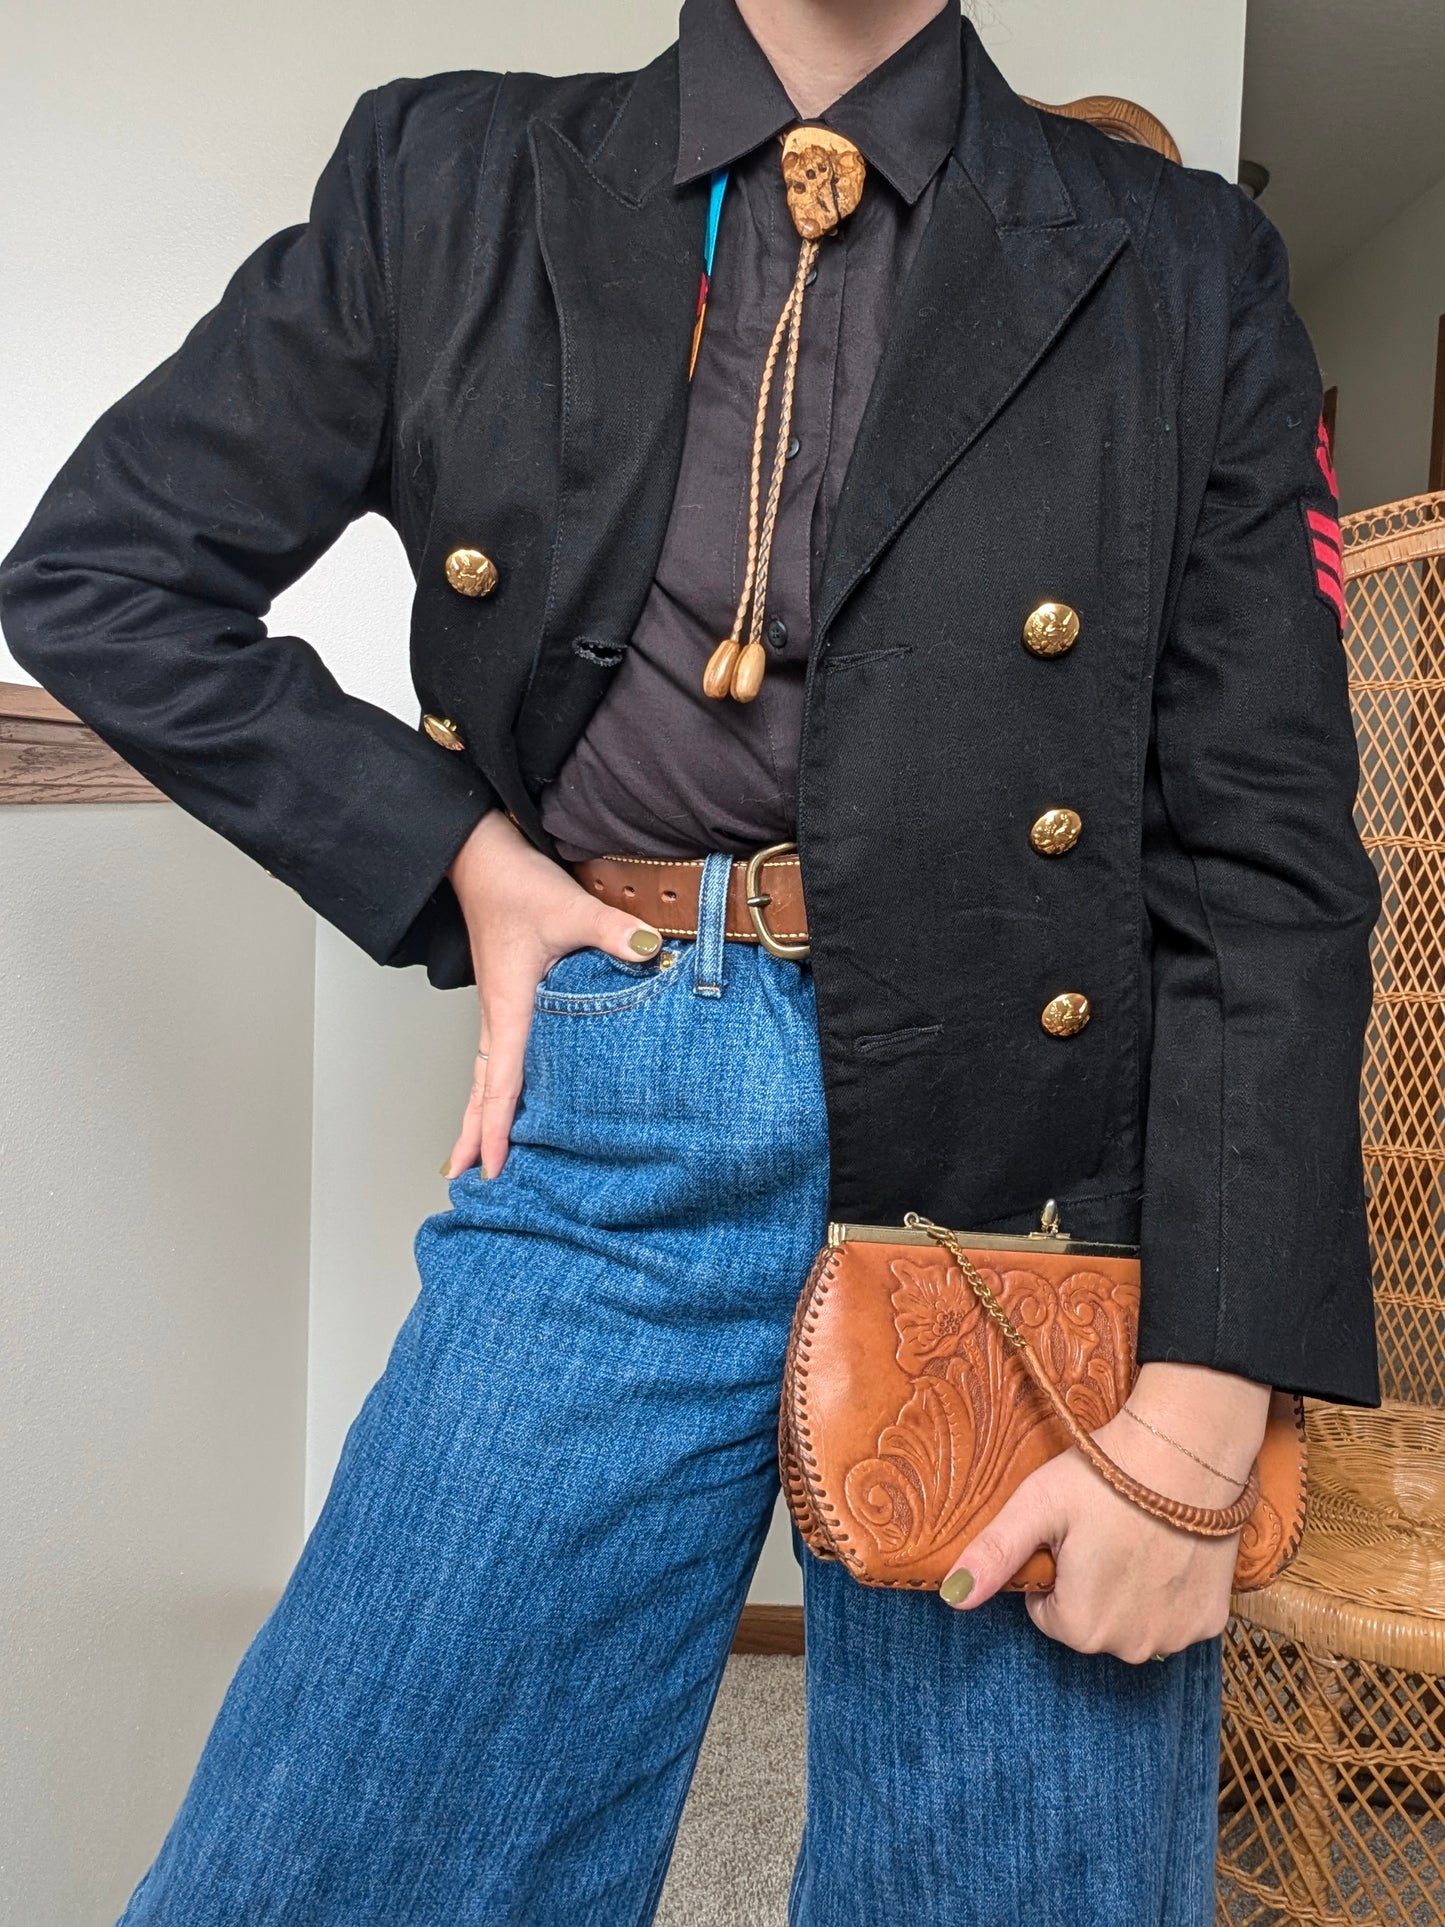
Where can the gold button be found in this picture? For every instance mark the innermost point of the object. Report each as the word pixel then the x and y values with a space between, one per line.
pixel 471 573
pixel 1056 831
pixel 443 731
pixel 1052 628
pixel 1066 1014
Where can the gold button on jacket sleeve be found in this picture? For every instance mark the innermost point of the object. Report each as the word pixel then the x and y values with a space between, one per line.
pixel 443 731
pixel 471 573
pixel 1051 629
pixel 1066 1014
pixel 1056 831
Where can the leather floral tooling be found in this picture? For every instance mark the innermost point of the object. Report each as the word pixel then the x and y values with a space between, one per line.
pixel 946 1453
pixel 908 1422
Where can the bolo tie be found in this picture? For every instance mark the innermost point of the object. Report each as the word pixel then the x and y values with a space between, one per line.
pixel 823 177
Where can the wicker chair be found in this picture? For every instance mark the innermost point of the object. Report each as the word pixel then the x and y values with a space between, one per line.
pixel 1333 1782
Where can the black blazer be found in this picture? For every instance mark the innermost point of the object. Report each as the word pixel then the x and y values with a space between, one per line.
pixel 1095 391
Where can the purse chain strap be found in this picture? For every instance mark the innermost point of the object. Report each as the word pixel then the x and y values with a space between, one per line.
pixel 1207 1522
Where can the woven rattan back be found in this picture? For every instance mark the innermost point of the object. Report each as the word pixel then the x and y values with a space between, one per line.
pixel 1332 1786
pixel 1395 589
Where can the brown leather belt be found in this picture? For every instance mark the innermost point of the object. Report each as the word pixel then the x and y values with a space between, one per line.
pixel 765 896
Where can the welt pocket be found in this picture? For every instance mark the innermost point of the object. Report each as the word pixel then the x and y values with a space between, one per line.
pixel 860 658
pixel 872 1042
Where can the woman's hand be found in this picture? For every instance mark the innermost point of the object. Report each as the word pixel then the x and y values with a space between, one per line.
pixel 1127 1583
pixel 523 912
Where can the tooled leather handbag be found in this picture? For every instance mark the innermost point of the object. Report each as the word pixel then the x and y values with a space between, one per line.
pixel 929 1372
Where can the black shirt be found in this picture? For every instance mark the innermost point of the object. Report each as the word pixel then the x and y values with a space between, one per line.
pixel 662 770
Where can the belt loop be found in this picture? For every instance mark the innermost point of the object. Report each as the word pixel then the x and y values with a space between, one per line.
pixel 712 923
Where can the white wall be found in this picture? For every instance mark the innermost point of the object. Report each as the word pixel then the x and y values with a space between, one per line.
pixel 1182 59
pixel 157 1025
pixel 1375 321
pixel 155 1033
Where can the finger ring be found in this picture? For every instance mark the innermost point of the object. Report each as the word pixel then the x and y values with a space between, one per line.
pixel 485 1056
pixel 1159 1658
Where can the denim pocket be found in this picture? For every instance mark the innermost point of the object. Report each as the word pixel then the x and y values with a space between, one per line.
pixel 589 983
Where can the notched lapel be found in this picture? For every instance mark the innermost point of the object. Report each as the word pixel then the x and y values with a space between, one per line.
pixel 623 253
pixel 1003 266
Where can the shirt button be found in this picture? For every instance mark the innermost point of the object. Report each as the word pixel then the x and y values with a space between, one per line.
pixel 793 446
pixel 778 633
pixel 810 277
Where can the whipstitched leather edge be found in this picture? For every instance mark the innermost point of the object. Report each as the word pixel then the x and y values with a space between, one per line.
pixel 795 1485
pixel 795 1393
pixel 1295 1536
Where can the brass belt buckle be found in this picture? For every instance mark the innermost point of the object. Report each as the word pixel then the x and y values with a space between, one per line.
pixel 758 901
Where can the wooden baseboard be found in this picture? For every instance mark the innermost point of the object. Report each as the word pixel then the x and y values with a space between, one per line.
pixel 770 1629
pixel 47 755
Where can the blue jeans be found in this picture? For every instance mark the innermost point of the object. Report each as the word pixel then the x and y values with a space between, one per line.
pixel 482 1694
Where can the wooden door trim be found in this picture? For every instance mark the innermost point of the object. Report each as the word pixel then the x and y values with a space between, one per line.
pixel 770 1629
pixel 47 755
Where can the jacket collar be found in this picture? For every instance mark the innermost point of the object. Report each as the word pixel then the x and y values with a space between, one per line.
pixel 1002 147
pixel 999 140
pixel 903 116
pixel 637 151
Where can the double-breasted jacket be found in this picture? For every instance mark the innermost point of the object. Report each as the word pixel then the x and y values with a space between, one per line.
pixel 1094 393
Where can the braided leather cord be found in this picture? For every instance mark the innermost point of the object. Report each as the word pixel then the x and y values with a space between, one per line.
pixel 1205 1522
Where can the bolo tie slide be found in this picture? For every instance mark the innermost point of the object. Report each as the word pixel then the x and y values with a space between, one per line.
pixel 823 175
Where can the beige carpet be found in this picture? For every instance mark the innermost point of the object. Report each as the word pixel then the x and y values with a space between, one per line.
pixel 744 1815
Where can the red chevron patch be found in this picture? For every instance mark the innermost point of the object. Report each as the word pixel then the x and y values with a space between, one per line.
pixel 1327 552
pixel 1323 532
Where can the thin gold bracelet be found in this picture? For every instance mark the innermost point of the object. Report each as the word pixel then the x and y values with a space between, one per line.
pixel 1227 1477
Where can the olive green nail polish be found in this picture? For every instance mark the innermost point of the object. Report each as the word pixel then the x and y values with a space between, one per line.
pixel 956 1588
pixel 446 1167
pixel 644 943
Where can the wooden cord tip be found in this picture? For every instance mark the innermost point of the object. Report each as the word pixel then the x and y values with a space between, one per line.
pixel 748 672
pixel 718 676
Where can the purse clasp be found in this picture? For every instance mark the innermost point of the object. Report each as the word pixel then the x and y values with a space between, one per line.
pixel 1049 1222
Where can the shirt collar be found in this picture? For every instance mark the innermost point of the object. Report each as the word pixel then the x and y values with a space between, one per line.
pixel 903 116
